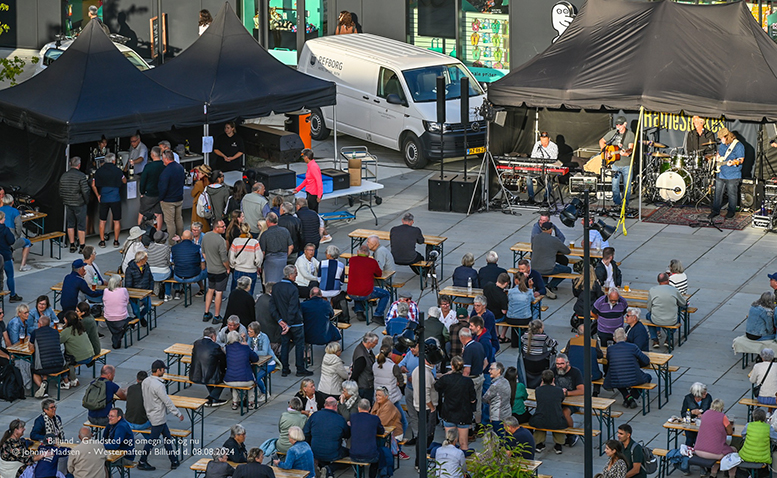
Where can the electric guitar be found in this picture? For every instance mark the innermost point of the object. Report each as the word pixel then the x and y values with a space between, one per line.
pixel 720 161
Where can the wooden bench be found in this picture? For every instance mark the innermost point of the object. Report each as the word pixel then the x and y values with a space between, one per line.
pixel 242 391
pixel 644 391
pixel 563 275
pixel 186 289
pixel 566 431
pixel 752 404
pixel 115 464
pixel 360 468
pixel 53 238
pixel 128 333
pixel 99 358
pixel 179 435
pixel 669 333
pixel 368 306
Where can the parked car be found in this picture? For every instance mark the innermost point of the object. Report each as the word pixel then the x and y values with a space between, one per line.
pixel 53 50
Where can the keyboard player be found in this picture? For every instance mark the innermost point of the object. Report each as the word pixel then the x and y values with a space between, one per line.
pixel 543 149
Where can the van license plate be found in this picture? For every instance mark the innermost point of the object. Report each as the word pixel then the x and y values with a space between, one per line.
pixel 479 150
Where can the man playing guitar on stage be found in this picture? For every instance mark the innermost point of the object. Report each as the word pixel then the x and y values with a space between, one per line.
pixel 612 146
pixel 731 155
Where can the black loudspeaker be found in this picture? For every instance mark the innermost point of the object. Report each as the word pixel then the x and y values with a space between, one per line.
pixel 751 194
pixel 464 101
pixel 440 192
pixel 440 100
pixel 461 194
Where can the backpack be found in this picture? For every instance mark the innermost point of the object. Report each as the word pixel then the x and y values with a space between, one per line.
pixel 649 460
pixel 204 207
pixel 11 382
pixel 95 396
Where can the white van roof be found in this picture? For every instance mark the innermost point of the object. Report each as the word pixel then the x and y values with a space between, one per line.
pixel 386 51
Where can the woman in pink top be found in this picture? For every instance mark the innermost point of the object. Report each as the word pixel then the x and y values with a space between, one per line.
pixel 313 184
pixel 115 302
pixel 711 441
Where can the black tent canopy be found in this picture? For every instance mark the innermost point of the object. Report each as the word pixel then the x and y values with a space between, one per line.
pixel 707 60
pixel 90 91
pixel 227 70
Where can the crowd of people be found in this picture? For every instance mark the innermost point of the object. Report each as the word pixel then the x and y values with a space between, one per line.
pixel 284 293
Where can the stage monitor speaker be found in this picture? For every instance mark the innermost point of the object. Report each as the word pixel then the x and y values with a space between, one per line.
pixel 440 192
pixel 440 100
pixel 751 194
pixel 461 193
pixel 464 101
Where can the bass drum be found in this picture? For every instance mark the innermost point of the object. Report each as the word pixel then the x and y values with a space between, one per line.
pixel 673 185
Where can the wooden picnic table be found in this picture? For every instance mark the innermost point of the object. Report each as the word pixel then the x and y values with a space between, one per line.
pixel 674 430
pixel 599 404
pixel 135 294
pixel 659 363
pixel 641 295
pixel 520 249
pixel 195 409
pixel 202 464
pixel 176 352
pixel 360 235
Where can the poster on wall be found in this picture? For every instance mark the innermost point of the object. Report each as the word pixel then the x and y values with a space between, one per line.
pixel 487 45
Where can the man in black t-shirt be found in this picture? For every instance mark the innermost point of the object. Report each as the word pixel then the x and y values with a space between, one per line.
pixel 570 379
pixel 496 297
pixel 403 241
pixel 229 149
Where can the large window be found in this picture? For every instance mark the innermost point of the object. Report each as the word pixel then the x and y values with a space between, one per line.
pixel 283 26
pixel 485 37
pixel 423 82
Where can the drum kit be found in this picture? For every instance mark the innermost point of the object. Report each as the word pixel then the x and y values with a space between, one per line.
pixel 679 176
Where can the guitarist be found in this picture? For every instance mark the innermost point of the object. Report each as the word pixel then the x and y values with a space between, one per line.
pixel 623 142
pixel 731 155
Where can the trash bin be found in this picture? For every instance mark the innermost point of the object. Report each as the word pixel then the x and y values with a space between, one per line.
pixel 299 122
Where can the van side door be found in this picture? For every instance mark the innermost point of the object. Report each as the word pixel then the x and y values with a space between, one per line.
pixel 389 118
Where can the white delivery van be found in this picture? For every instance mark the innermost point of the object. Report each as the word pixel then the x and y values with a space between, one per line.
pixel 387 94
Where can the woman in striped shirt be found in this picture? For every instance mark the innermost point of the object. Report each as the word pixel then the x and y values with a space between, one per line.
pixel 677 277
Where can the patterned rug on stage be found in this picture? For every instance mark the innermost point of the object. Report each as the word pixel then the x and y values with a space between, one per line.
pixel 685 216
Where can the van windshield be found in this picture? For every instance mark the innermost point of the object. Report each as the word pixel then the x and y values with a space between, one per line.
pixel 422 82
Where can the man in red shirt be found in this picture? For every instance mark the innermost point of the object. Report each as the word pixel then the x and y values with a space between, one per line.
pixel 313 183
pixel 362 272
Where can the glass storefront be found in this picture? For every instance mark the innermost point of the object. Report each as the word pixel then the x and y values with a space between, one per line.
pixel 75 14
pixel 282 25
pixel 485 37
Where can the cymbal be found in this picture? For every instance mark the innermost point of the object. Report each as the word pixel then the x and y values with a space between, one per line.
pixel 709 143
pixel 660 155
pixel 654 144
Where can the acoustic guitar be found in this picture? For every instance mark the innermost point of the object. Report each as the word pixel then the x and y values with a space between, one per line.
pixel 610 154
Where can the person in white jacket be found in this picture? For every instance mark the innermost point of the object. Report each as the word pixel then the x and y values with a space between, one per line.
pixel 333 371
pixel 307 271
pixel 245 257
pixel 158 404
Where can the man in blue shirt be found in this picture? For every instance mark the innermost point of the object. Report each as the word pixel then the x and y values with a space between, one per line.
pixel 73 284
pixel 171 183
pixel 118 435
pixel 188 265
pixel 731 155
pixel 106 185
pixel 100 417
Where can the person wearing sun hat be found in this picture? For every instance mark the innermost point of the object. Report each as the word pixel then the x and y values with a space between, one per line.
pixel 73 284
pixel 132 245
pixel 201 181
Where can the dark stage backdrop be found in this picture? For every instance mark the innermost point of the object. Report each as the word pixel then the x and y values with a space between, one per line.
pixel 34 163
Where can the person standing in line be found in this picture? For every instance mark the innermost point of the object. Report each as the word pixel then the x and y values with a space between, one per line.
pixel 171 183
pixel 285 310
pixel 253 207
pixel 157 404
pixel 214 249
pixel 149 189
pixel 74 192
pixel 201 181
pixel 313 183
pixel 106 185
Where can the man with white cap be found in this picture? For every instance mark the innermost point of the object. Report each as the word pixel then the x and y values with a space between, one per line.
pixel 623 140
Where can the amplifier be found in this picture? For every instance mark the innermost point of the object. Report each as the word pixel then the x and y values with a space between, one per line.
pixel 579 183
pixel 763 222
pixel 770 190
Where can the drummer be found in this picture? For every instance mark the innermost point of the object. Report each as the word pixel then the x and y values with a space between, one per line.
pixel 699 138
